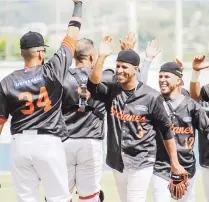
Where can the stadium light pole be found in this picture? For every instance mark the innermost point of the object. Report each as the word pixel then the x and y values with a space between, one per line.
pixel 179 30
pixel 133 20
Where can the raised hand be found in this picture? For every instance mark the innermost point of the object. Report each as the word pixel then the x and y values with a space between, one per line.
pixel 128 42
pixel 153 49
pixel 179 63
pixel 105 48
pixel 198 63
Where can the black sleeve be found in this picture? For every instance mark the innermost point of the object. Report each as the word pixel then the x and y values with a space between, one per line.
pixel 205 106
pixel 185 92
pixel 60 63
pixel 102 90
pixel 99 91
pixel 62 59
pixel 200 119
pixel 4 108
pixel 204 93
pixel 161 119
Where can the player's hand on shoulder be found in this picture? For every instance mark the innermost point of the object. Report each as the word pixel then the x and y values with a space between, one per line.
pixel 128 42
pixel 199 63
pixel 105 48
pixel 153 49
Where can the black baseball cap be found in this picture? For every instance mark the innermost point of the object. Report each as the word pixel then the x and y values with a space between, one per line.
pixel 31 40
pixel 172 67
pixel 129 56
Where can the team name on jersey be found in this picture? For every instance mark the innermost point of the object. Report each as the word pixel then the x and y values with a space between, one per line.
pixel 28 81
pixel 121 115
pixel 182 130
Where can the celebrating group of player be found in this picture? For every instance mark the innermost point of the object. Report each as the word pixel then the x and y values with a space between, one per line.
pixel 58 120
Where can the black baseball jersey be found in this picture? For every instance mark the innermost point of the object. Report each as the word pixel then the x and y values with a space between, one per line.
pixel 187 117
pixel 88 124
pixel 202 139
pixel 131 118
pixel 185 92
pixel 32 96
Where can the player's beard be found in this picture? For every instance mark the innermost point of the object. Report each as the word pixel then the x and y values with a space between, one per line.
pixel 42 62
pixel 171 89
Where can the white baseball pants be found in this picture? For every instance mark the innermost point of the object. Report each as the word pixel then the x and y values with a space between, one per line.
pixel 36 158
pixel 84 162
pixel 160 191
pixel 132 185
pixel 205 178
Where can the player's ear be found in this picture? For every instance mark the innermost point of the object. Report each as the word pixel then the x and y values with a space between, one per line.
pixel 91 58
pixel 137 68
pixel 179 81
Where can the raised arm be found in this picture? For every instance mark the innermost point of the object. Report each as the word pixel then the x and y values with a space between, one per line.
pixel 152 51
pixel 105 50
pixel 75 23
pixel 62 59
pixel 198 64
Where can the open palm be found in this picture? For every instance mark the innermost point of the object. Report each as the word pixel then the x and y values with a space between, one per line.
pixel 105 48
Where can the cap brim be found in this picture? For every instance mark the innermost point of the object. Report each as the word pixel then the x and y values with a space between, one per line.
pixel 46 45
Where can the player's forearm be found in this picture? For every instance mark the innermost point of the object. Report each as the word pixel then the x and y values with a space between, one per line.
pixel 195 85
pixel 144 70
pixel 172 152
pixel 75 23
pixel 96 74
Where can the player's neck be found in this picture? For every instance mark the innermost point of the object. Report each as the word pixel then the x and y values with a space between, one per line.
pixel 130 85
pixel 84 63
pixel 175 94
pixel 32 63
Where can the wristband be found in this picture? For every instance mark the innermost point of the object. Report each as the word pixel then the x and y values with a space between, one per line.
pixel 195 76
pixel 74 24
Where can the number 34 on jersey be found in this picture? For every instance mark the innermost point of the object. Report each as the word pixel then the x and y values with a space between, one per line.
pixel 43 101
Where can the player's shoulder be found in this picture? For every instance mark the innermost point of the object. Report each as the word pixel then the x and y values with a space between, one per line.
pixel 151 92
pixel 8 80
pixel 21 76
pixel 185 92
pixel 205 86
pixel 12 75
pixel 79 71
pixel 192 104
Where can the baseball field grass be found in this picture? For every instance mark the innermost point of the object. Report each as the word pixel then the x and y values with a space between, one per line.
pixel 7 193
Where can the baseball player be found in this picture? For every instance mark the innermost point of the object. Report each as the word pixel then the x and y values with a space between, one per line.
pixel 186 115
pixel 133 110
pixel 202 96
pixel 32 96
pixel 84 118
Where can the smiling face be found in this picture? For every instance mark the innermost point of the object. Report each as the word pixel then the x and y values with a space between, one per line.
pixel 168 82
pixel 125 72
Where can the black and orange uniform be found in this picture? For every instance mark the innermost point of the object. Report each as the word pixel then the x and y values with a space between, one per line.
pixel 185 119
pixel 33 96
pixel 132 118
